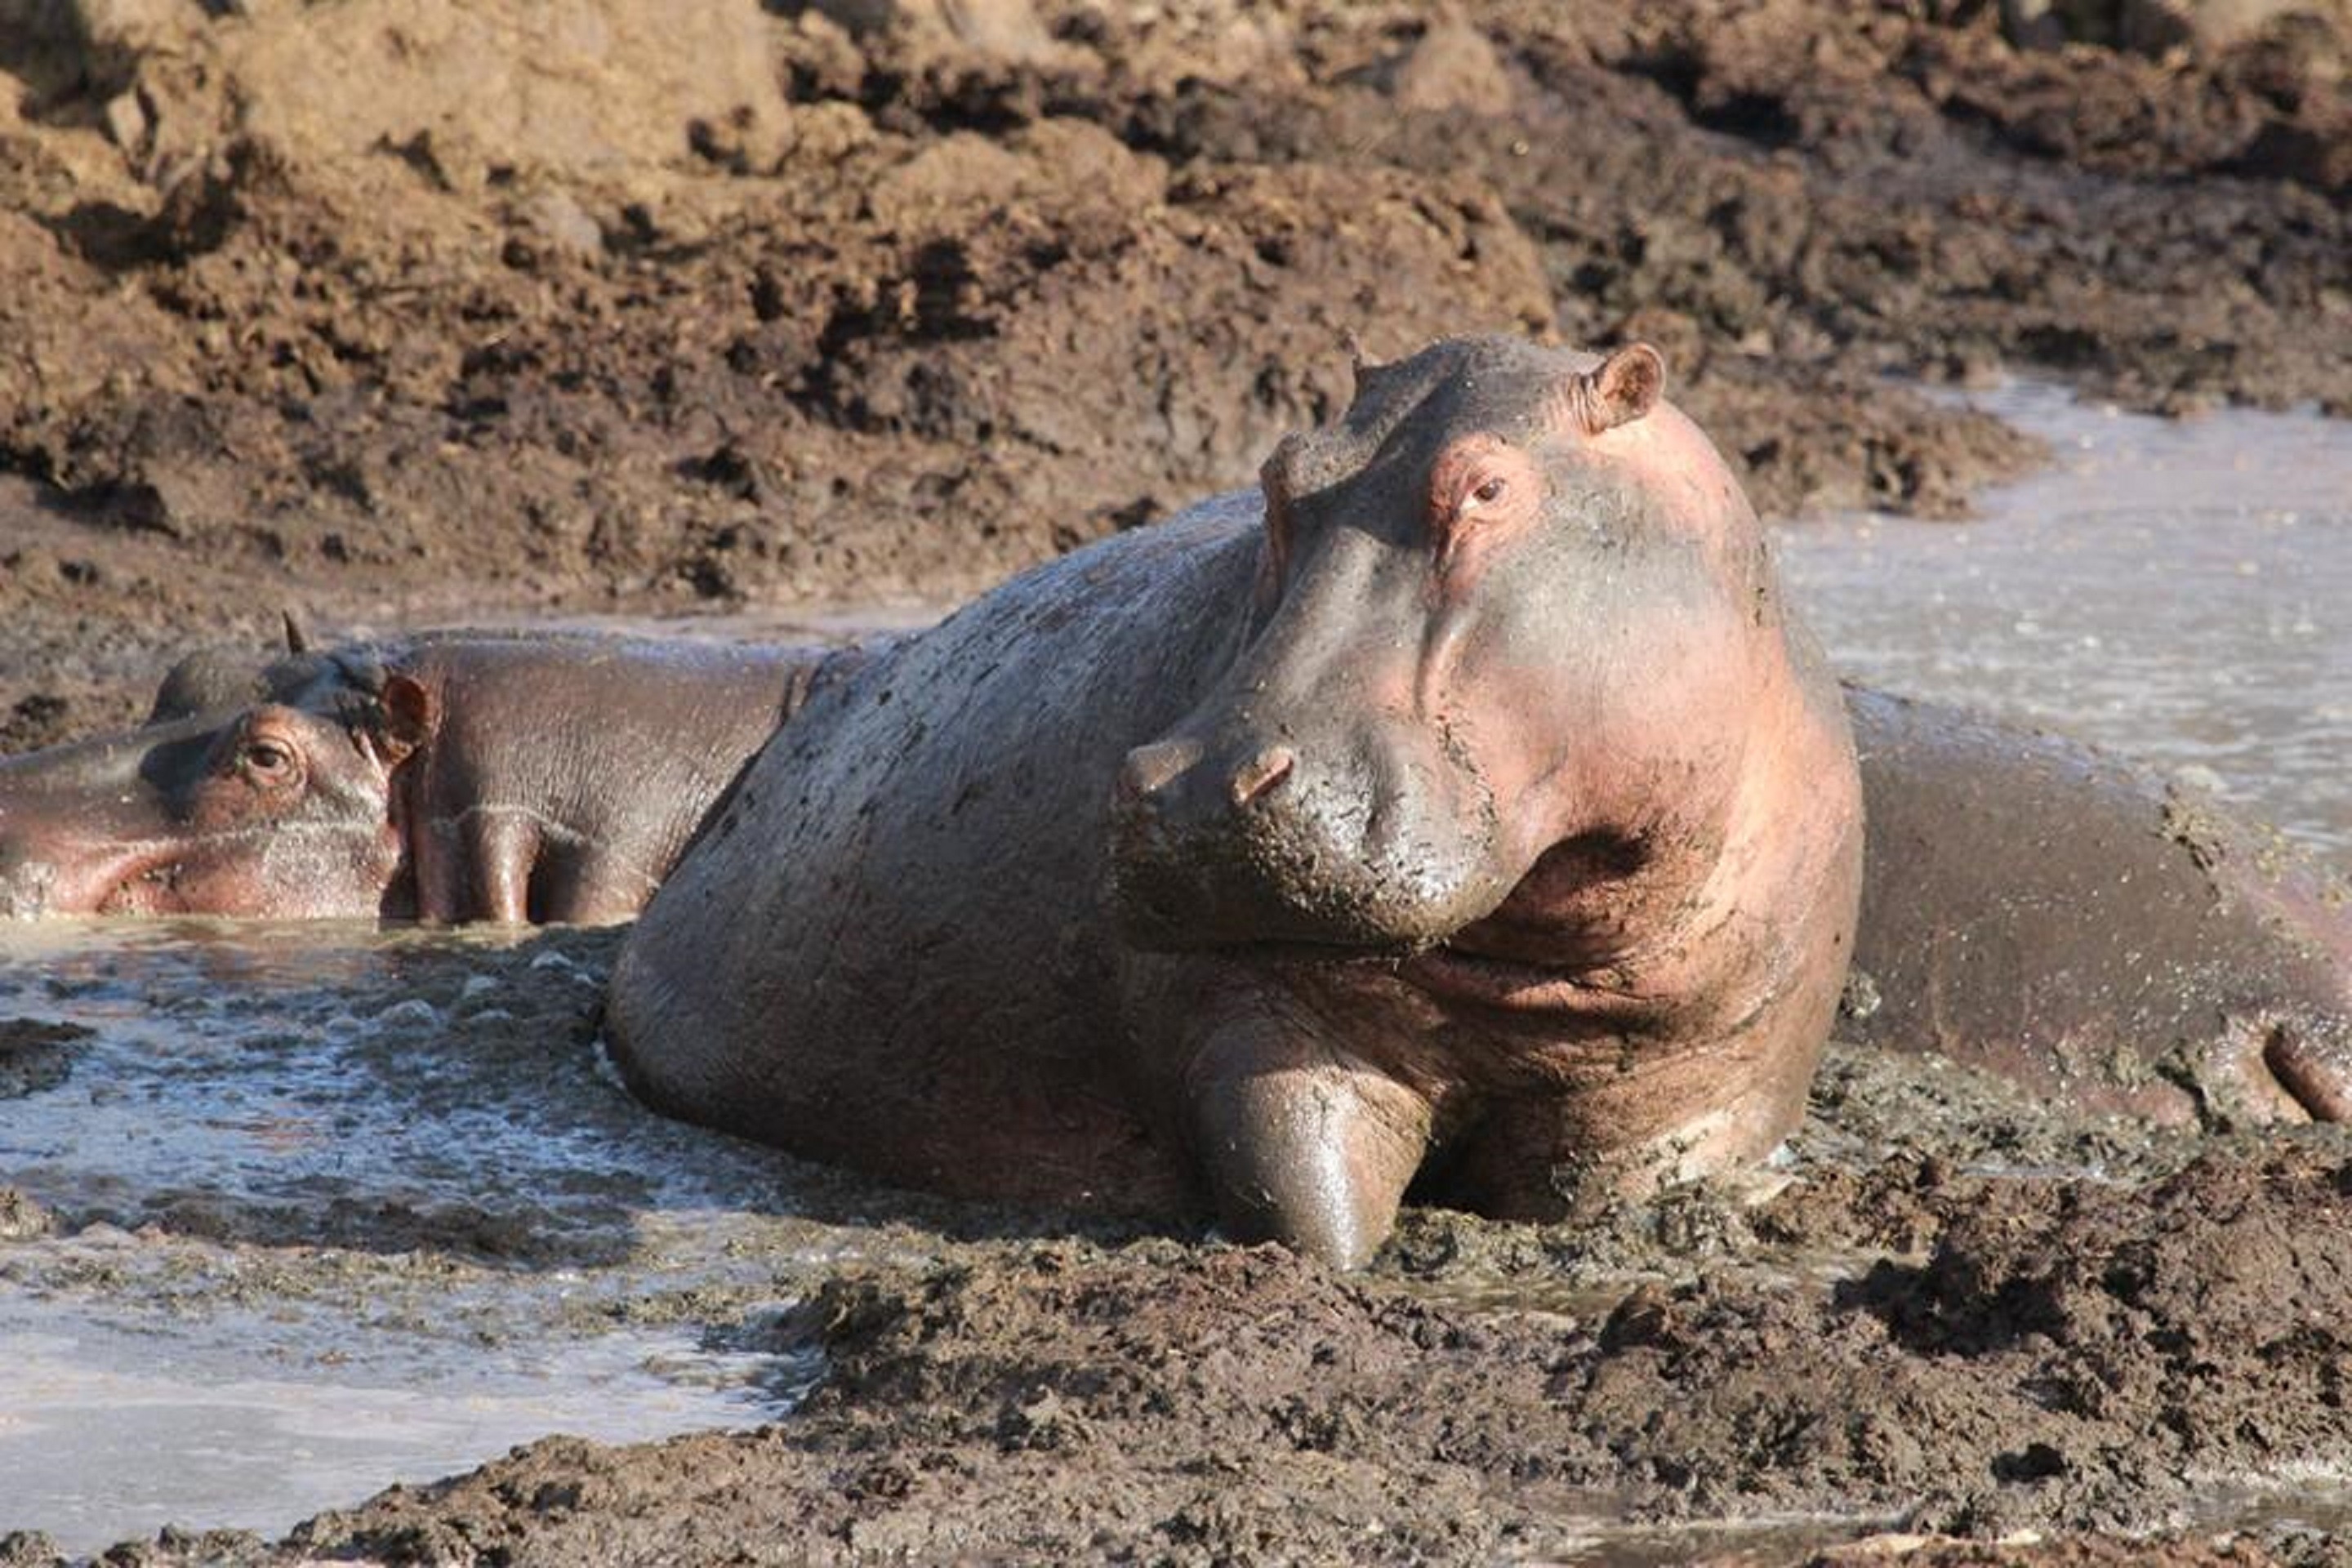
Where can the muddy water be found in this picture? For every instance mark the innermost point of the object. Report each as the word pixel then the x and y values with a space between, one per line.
pixel 2181 592
pixel 337 1207
pixel 327 1207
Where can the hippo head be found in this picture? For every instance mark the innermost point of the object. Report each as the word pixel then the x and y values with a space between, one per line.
pixel 1507 609
pixel 257 787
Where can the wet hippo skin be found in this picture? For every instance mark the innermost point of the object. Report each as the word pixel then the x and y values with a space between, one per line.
pixel 2037 908
pixel 444 777
pixel 1469 813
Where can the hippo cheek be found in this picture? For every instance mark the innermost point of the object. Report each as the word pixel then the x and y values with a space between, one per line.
pixel 295 871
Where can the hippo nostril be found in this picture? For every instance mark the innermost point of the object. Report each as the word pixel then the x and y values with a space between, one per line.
pixel 1262 772
pixel 1149 769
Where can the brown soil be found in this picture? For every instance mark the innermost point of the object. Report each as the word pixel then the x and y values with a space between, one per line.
pixel 2061 1355
pixel 402 310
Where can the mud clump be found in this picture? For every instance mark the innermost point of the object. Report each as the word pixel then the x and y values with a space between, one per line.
pixel 2067 1358
pixel 36 1054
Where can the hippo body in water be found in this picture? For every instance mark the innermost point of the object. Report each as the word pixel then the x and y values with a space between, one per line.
pixel 1471 813
pixel 2039 908
pixel 445 777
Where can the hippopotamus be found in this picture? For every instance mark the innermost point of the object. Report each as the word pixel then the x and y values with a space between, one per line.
pixel 1465 809
pixel 2111 940
pixel 443 777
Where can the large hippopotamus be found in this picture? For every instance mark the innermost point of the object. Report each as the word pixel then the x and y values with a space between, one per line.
pixel 1469 811
pixel 448 777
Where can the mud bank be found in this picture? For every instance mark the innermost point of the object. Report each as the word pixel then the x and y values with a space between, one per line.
pixel 1167 1402
pixel 418 311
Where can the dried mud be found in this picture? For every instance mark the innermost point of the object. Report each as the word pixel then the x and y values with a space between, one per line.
pixel 411 310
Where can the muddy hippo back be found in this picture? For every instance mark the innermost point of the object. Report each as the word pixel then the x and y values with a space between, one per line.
pixel 1464 807
pixel 888 950
pixel 2040 909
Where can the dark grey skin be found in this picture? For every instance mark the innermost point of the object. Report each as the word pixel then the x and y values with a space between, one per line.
pixel 2039 908
pixel 449 777
pixel 1471 812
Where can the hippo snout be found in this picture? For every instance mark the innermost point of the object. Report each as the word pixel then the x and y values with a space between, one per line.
pixel 1255 841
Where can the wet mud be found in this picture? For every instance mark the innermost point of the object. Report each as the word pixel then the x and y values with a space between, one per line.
pixel 430 312
pixel 1948 1311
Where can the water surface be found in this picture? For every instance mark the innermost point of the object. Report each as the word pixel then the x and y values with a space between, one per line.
pixel 2179 591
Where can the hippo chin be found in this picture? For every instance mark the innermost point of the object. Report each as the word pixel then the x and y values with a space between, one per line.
pixel 1469 812
pixel 444 777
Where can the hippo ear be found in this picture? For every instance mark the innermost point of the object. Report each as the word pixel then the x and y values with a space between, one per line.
pixel 298 641
pixel 1625 388
pixel 410 716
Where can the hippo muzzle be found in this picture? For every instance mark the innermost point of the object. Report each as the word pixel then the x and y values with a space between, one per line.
pixel 75 821
pixel 25 883
pixel 1371 841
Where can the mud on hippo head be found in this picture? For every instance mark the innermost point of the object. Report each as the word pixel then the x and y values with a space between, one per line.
pixel 1502 606
pixel 257 787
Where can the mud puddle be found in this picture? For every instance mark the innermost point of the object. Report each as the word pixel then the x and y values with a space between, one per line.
pixel 254 1424
pixel 326 1207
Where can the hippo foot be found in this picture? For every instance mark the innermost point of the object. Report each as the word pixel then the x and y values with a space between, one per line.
pixel 1304 1145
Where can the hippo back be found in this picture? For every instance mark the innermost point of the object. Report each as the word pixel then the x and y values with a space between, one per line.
pixel 927 831
pixel 2036 907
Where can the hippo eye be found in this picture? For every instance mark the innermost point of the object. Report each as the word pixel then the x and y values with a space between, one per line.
pixel 267 760
pixel 1488 493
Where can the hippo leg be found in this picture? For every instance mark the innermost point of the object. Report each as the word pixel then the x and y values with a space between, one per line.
pixel 1302 1144
pixel 504 846
pixel 477 867
pixel 591 883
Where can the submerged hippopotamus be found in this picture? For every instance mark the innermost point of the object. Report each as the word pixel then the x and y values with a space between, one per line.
pixel 2037 908
pixel 1470 811
pixel 444 777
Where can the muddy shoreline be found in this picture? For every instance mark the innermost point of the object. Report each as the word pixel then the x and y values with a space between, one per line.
pixel 1949 1311
pixel 422 313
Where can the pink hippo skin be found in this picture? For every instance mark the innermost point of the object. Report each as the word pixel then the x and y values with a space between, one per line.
pixel 1469 811
pixel 444 777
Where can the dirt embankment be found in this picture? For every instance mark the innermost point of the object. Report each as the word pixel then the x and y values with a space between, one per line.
pixel 2057 1358
pixel 403 309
